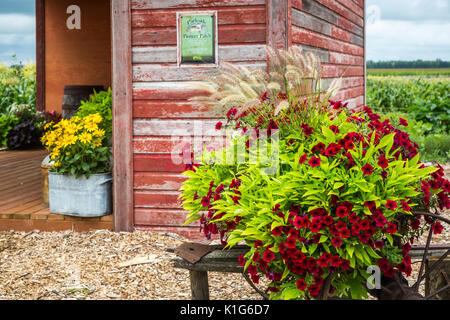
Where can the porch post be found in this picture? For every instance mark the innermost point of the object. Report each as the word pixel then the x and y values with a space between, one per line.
pixel 40 55
pixel 122 116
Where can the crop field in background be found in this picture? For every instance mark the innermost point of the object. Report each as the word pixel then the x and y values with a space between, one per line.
pixel 422 96
pixel 431 72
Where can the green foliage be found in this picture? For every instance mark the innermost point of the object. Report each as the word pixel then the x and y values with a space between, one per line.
pixel 101 103
pixel 7 123
pixel 427 101
pixel 17 86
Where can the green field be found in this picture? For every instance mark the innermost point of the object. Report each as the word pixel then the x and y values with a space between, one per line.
pixel 422 96
pixel 431 72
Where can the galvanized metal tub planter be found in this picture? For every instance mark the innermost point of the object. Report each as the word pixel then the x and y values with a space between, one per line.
pixel 80 197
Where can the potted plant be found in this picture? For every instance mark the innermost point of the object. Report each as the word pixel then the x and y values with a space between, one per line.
pixel 342 201
pixel 80 180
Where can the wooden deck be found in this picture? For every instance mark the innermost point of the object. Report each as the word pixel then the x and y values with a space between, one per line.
pixel 21 206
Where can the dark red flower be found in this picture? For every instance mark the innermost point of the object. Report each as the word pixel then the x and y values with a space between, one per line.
pixel 205 201
pixel 403 122
pixel 364 224
pixel 307 130
pixel 380 220
pixel 391 205
pixel 314 290
pixel 353 218
pixel 391 228
pixel 335 261
pixel 345 264
pixel 258 244
pixel 301 284
pixel 291 242
pixel 415 224
pixel 256 256
pixel 344 233
pixel 301 222
pixel 336 242
pixel 327 220
pixel 241 260
pixel 303 159
pixel 324 259
pixel 219 125
pixel 268 256
pixel 277 231
pixel 334 128
pixel 367 169
pixel 349 145
pixel 314 162
pixel 437 227
pixel 252 269
pixel 342 211
pixel 255 278
pixel 383 162
pixel 405 206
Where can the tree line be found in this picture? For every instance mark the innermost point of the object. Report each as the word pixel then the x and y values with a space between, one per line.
pixel 398 64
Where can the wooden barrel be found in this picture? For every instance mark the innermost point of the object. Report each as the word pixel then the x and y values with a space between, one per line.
pixel 73 95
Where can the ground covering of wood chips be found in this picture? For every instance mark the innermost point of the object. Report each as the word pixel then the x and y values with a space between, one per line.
pixel 109 265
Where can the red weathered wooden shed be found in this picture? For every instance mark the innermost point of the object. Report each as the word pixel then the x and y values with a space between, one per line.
pixel 132 45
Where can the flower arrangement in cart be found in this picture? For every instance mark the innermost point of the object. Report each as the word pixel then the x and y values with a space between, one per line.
pixel 344 195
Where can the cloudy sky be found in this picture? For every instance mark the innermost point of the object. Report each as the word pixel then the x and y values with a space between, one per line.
pixel 396 29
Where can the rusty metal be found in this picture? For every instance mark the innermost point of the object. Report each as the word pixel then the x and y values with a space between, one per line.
pixel 193 252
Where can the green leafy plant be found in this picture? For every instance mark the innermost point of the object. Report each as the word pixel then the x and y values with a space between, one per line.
pixel 17 86
pixel 7 123
pixel 342 196
pixel 101 103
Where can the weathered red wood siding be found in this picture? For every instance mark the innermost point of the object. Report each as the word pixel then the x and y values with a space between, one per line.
pixel 161 90
pixel 335 30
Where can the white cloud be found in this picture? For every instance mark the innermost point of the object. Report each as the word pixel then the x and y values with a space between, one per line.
pixel 397 39
pixel 17 23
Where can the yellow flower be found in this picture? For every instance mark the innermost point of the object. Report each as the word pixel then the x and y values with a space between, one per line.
pixel 69 140
pixel 99 133
pixel 85 137
pixel 90 126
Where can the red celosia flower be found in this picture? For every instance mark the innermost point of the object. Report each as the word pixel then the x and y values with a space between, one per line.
pixel 391 205
pixel 314 162
pixel 367 169
pixel 437 227
pixel 303 159
pixel 268 256
pixel 383 162
pixel 301 284
pixel 342 211
pixel 219 125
